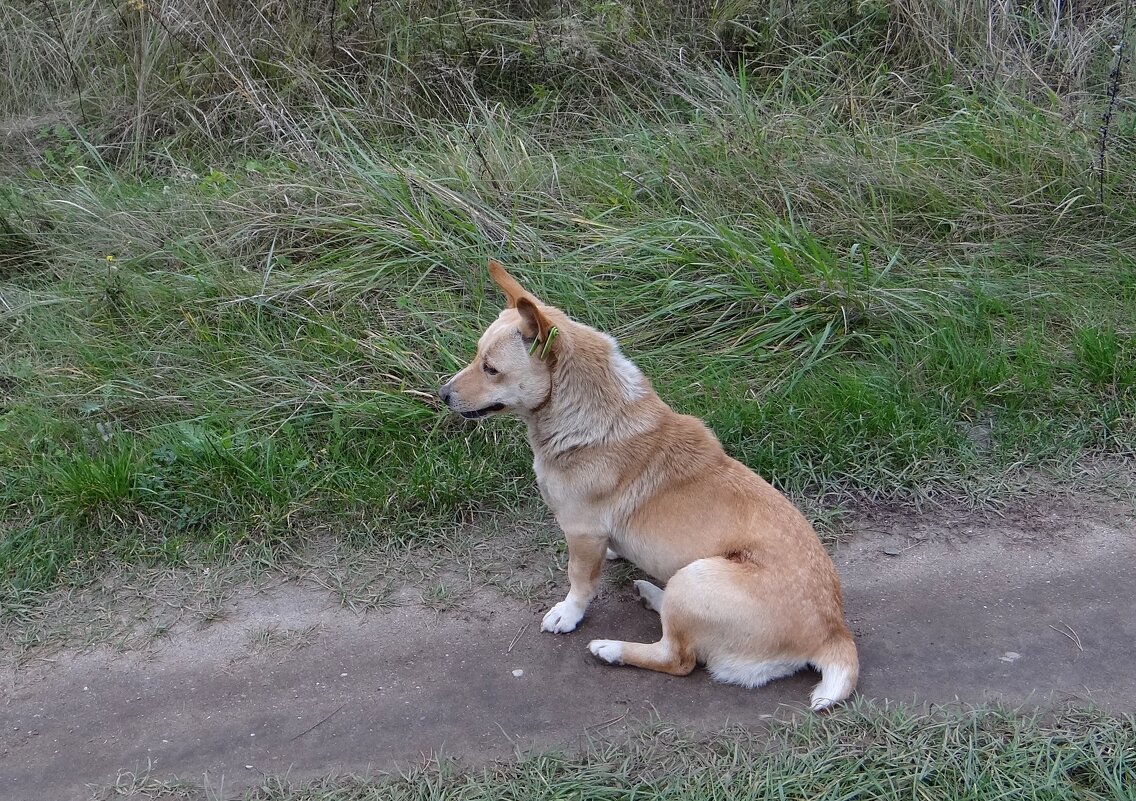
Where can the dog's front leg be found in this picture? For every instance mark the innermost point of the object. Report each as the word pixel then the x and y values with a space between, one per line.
pixel 585 562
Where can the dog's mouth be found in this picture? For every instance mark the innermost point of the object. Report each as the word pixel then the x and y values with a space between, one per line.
pixel 496 407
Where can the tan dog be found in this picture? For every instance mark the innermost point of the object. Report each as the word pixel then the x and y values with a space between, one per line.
pixel 750 590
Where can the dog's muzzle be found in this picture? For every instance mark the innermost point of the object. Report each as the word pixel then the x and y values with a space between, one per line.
pixel 447 395
pixel 496 407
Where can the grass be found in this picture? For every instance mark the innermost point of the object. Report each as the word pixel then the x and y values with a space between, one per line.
pixel 862 751
pixel 274 637
pixel 232 276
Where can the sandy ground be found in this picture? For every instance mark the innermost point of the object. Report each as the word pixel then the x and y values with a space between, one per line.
pixel 1035 607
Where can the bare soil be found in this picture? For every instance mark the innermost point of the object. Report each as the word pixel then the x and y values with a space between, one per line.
pixel 1034 606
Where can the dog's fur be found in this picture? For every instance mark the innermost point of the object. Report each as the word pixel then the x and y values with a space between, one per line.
pixel 750 591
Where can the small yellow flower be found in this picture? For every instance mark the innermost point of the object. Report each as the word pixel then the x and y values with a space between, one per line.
pixel 110 258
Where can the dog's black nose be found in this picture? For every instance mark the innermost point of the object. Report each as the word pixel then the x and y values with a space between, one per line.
pixel 446 393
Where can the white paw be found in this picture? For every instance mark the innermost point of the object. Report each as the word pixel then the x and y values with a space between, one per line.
pixel 611 555
pixel 610 651
pixel 563 617
pixel 652 596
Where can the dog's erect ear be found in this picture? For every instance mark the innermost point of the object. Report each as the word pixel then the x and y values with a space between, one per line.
pixel 535 326
pixel 509 285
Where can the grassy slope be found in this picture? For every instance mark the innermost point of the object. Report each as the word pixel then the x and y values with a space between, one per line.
pixel 225 311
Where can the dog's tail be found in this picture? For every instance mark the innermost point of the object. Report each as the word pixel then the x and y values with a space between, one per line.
pixel 839 667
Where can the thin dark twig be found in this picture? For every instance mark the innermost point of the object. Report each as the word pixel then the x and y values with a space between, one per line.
pixel 333 8
pixel 473 137
pixel 1113 92
pixel 49 7
pixel 320 723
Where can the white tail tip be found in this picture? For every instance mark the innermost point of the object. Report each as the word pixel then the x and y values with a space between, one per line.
pixel 835 685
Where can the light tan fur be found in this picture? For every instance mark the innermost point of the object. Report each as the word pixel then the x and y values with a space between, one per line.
pixel 750 591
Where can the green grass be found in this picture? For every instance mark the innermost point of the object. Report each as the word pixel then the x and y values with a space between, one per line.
pixel 233 276
pixel 862 751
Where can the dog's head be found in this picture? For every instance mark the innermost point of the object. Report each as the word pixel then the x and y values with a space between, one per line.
pixel 512 371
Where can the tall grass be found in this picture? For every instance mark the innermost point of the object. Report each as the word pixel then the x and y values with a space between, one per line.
pixel 863 241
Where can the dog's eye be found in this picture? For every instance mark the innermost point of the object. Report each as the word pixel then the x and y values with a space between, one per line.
pixel 489 370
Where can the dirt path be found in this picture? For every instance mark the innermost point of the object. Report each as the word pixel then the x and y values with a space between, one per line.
pixel 1033 609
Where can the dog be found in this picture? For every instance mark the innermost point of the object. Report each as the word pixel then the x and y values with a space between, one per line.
pixel 750 591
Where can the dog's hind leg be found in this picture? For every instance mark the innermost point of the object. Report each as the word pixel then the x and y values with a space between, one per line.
pixel 652 596
pixel 668 655
pixel 672 654
pixel 734 617
pixel 695 614
pixel 663 655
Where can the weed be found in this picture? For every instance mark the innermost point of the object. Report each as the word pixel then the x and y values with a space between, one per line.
pixel 274 637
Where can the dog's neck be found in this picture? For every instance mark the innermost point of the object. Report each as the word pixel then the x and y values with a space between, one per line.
pixel 597 396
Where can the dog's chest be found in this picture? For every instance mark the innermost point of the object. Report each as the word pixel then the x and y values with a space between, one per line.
pixel 587 499
pixel 648 554
pixel 578 494
pixel 557 486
